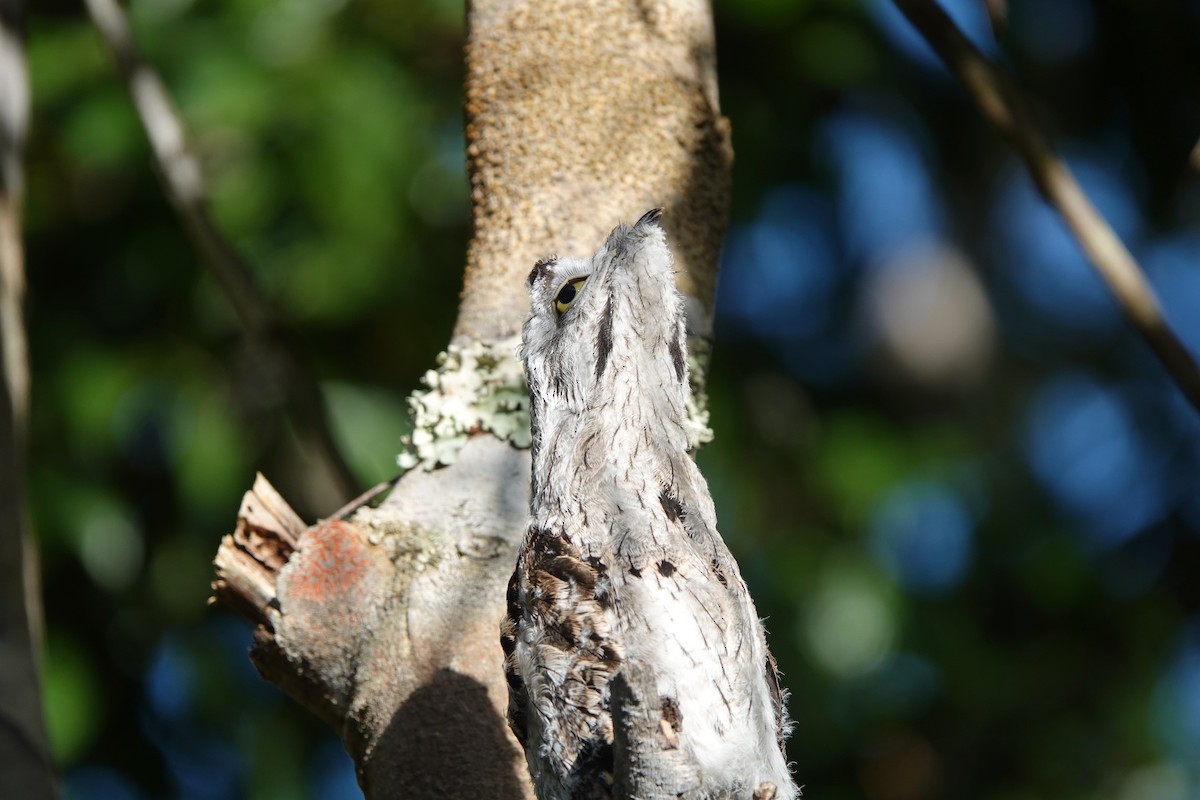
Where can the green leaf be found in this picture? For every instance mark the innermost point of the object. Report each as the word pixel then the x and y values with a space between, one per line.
pixel 71 696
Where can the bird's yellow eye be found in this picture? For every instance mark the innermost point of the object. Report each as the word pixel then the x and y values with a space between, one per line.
pixel 566 295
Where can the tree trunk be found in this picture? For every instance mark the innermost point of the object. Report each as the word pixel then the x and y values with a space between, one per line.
pixel 385 622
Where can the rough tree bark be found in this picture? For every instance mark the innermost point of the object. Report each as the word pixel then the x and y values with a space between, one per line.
pixel 385 621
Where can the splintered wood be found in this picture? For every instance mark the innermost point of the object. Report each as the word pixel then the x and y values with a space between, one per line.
pixel 249 559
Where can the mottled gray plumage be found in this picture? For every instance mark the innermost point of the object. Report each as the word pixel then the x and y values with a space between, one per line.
pixel 622 566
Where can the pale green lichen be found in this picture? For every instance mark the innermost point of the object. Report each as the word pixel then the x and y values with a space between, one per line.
pixel 480 387
pixel 404 542
pixel 477 387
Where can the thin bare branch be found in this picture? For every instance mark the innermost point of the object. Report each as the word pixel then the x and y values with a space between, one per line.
pixel 14 124
pixel 26 766
pixel 997 11
pixel 1004 106
pixel 363 499
pixel 184 186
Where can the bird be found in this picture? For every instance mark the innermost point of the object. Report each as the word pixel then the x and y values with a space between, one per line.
pixel 622 571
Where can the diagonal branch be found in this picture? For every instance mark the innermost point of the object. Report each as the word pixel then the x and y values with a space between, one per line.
pixel 997 11
pixel 1004 106
pixel 184 186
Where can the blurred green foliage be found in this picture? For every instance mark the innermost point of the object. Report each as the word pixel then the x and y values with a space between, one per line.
pixel 330 137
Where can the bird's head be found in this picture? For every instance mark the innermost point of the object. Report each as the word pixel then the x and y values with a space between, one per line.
pixel 605 339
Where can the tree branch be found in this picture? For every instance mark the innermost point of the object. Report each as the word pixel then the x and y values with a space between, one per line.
pixel 1004 106
pixel 601 111
pixel 26 765
pixel 386 623
pixel 184 186
pixel 997 11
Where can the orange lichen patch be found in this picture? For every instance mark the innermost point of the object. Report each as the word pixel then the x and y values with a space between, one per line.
pixel 332 595
pixel 331 563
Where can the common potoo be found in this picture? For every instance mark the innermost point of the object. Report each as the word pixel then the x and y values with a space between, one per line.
pixel 622 564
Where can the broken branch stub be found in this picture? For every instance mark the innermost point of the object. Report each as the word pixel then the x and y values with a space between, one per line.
pixel 386 625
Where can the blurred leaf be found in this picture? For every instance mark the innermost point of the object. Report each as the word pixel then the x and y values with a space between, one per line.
pixel 832 52
pixel 329 282
pixel 245 194
pixel 227 90
pixel 851 619
pixel 1053 573
pixel 180 574
pixel 276 747
pixel 90 384
pixel 157 12
pixel 211 460
pixel 110 547
pixel 64 59
pixel 103 130
pixel 368 425
pixel 73 702
pixel 858 458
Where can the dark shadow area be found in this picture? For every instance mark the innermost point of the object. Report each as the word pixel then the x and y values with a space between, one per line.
pixel 446 741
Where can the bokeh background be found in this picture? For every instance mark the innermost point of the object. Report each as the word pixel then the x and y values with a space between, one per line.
pixel 964 494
